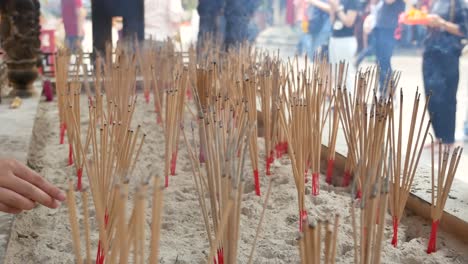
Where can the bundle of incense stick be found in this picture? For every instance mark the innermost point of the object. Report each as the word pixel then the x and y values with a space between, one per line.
pixel 249 90
pixel 122 229
pixel 311 238
pixel 61 84
pixel 72 114
pixel 297 149
pixel 350 108
pixel 114 153
pixel 226 132
pixel 162 68
pixel 404 169
pixel 146 57
pixel 374 168
pixel 269 82
pixel 174 107
pixel 447 166
pixel 368 237
pixel 334 119
pixel 318 113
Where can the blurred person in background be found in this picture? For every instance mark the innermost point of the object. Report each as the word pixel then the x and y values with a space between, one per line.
pixel 320 27
pixel 73 16
pixel 386 23
pixel 228 19
pixel 448 24
pixel 163 19
pixel 368 28
pixel 302 25
pixel 343 43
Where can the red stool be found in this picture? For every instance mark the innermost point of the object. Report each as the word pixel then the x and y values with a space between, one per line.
pixel 48 46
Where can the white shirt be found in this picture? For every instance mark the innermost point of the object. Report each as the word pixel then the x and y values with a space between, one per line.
pixel 162 18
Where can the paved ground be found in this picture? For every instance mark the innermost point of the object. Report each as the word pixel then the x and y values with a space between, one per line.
pixel 284 39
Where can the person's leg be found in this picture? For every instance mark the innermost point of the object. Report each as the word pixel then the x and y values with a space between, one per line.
pixel 368 51
pixel 209 11
pixel 238 14
pixel 384 46
pixel 432 86
pixel 450 66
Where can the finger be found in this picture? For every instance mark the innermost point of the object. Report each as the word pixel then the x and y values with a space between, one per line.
pixel 15 200
pixel 31 176
pixel 29 191
pixel 10 210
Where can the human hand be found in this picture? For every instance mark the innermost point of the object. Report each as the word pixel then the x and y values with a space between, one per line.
pixel 21 188
pixel 334 4
pixel 435 21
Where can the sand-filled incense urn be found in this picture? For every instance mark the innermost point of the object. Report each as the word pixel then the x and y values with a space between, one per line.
pixel 20 32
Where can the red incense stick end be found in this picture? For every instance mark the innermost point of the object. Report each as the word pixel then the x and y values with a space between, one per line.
pixel 395 232
pixel 269 161
pixel 147 96
pixel 189 94
pixel 173 163
pixel 70 154
pixel 331 163
pixel 63 127
pixel 346 178
pixel 166 181
pixel 158 119
pixel 201 157
pixel 48 92
pixel 79 174
pixel 358 194
pixel 315 184
pixel 431 247
pixel 257 183
pixel 220 256
pixel 302 217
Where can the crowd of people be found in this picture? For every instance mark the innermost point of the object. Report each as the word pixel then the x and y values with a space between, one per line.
pixel 350 30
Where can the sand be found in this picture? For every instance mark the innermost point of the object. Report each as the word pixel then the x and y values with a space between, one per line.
pixel 43 235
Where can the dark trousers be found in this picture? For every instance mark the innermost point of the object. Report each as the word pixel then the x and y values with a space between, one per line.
pixel 368 51
pixel 237 15
pixel 441 75
pixel 384 45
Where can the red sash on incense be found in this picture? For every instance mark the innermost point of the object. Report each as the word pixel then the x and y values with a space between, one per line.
pixel 431 247
pixel 79 174
pixel 257 183
pixel 302 217
pixel 331 163
pixel 173 162
pixel 395 231
pixel 70 154
pixel 63 127
pixel 100 251
pixel 147 96
pixel 346 178
pixel 315 183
